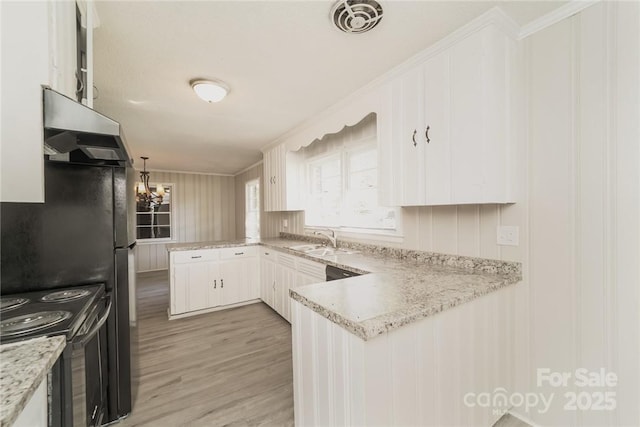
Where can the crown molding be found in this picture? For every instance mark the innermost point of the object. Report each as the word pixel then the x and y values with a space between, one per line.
pixel 259 162
pixel 561 13
pixel 186 172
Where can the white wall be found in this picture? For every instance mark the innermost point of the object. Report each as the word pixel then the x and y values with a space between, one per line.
pixel 583 208
pixel 203 210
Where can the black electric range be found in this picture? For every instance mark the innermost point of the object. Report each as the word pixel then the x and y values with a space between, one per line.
pixel 47 313
pixel 79 379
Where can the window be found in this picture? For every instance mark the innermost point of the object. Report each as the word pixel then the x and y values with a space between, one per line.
pixel 154 221
pixel 252 209
pixel 342 178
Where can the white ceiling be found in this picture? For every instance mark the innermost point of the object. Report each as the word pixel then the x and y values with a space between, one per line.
pixel 283 61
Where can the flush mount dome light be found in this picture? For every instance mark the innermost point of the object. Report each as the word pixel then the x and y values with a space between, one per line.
pixel 356 16
pixel 210 90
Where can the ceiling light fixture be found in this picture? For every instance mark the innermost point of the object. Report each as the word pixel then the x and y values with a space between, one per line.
pixel 210 90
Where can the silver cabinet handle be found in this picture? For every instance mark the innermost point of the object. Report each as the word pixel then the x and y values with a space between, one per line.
pixel 215 284
pixel 426 135
pixel 222 283
pixel 415 131
pixel 239 253
pixel 194 257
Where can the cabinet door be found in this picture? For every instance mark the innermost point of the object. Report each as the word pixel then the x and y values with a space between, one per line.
pixel 267 181
pixel 198 286
pixel 468 111
pixel 236 280
pixel 215 291
pixel 267 280
pixel 286 278
pixel 191 287
pixel 303 279
pixel 437 166
pixel 408 134
pixel 274 179
pixel 180 284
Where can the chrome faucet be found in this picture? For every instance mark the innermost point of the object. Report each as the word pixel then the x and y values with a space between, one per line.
pixel 329 234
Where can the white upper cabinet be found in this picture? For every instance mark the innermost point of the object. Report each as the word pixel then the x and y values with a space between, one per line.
pixel 283 177
pixel 38 49
pixel 63 47
pixel 450 125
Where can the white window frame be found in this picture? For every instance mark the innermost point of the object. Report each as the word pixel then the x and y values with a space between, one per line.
pixel 172 222
pixel 256 182
pixel 373 234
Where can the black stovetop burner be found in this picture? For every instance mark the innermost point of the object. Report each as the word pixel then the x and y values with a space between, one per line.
pixel 46 313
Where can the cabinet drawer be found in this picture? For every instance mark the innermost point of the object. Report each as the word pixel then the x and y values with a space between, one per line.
pixel 312 268
pixel 182 257
pixel 239 252
pixel 287 260
pixel 268 253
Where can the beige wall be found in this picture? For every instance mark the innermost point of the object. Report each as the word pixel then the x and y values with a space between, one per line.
pixel 204 210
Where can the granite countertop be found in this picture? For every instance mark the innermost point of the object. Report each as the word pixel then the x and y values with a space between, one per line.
pixel 216 244
pixel 23 366
pixel 398 286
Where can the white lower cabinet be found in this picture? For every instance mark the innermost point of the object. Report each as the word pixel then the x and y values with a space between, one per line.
pixel 268 263
pixel 210 279
pixel 281 272
pixel 420 374
pixel 309 272
pixel 194 287
pixel 202 280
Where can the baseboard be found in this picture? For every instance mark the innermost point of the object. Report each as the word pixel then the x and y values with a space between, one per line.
pixel 210 310
pixel 152 271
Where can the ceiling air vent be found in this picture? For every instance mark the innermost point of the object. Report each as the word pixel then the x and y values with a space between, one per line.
pixel 356 16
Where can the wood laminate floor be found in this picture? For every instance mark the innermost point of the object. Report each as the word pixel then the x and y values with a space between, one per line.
pixel 226 368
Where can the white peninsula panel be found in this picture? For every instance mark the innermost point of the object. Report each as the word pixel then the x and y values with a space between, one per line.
pixel 418 374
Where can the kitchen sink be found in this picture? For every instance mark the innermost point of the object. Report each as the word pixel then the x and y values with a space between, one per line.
pixel 328 252
pixel 306 248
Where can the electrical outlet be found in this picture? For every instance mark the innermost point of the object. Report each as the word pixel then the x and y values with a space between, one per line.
pixel 508 235
pixel 285 223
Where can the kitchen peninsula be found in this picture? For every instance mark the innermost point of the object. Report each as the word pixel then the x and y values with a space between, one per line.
pixel 384 345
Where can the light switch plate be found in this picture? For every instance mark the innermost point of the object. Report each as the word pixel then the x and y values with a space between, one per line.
pixel 508 235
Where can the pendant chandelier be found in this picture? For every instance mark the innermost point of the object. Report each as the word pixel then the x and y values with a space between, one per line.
pixel 145 198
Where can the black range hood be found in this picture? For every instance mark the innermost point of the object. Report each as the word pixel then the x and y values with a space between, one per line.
pixel 88 136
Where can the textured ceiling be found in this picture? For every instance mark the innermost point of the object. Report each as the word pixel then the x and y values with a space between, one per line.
pixel 283 61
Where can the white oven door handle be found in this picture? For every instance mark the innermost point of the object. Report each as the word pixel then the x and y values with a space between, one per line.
pixel 84 339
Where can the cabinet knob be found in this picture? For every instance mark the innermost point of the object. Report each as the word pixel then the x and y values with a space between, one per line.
pixel 414 137
pixel 426 135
